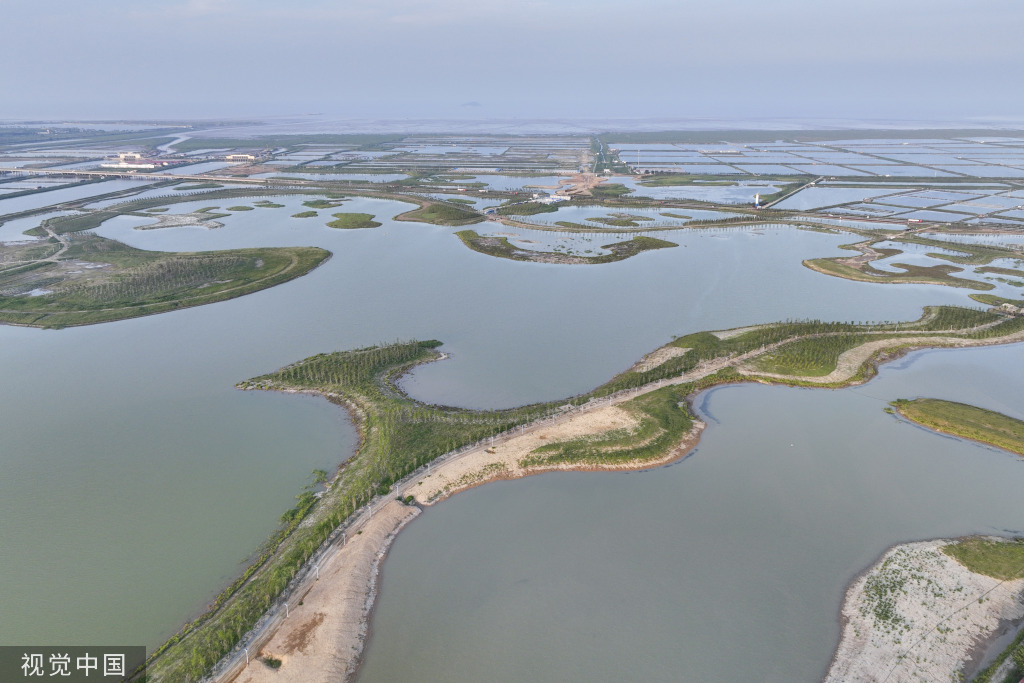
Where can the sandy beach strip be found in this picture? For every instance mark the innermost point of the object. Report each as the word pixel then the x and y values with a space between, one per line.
pixel 322 638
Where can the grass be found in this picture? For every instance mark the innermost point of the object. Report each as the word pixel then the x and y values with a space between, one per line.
pixel 442 214
pixel 663 419
pixel 199 186
pixel 1002 559
pixel 677 179
pixel 621 220
pixel 240 208
pixel 526 209
pixel 500 247
pixel 353 221
pixel 138 282
pixel 608 190
pixel 264 204
pixel 993 300
pixel 322 203
pixel 305 214
pixel 966 421
pixel 815 357
pixel 1001 271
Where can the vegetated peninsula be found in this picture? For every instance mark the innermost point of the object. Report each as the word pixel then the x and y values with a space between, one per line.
pixel 966 421
pixel 84 279
pixel 414 453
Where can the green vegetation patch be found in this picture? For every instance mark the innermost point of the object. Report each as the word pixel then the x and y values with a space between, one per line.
pixel 1000 559
pixel 814 357
pixel 240 208
pixel 442 214
pixel 1001 271
pixel 264 204
pixel 676 179
pixel 500 247
pixel 200 185
pixel 323 203
pixel 965 421
pixel 609 190
pixel 526 209
pixel 993 300
pixel 132 282
pixel 621 220
pixel 305 214
pixel 353 221
pixel 663 419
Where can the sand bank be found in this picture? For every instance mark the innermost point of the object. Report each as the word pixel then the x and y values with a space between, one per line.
pixel 917 615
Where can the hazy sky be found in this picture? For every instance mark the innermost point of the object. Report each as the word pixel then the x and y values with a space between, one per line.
pixel 893 59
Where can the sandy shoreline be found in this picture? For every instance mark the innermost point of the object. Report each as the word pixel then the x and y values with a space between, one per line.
pixel 919 615
pixel 323 638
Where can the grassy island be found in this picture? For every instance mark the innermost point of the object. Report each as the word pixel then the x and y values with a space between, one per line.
pixel 353 221
pixel 966 421
pixel 441 214
pixel 93 280
pixel 500 247
pixel 526 209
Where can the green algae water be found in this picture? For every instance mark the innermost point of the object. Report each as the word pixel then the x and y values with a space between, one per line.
pixel 135 481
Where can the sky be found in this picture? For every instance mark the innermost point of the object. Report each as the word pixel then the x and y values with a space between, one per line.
pixel 743 60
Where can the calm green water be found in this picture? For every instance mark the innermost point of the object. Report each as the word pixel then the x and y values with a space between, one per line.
pixel 728 566
pixel 134 479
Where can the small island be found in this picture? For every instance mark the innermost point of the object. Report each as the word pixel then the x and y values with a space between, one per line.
pixel 353 221
pixel 966 421
pixel 500 247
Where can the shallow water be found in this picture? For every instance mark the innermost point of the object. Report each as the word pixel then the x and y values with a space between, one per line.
pixel 728 566
pixel 158 477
